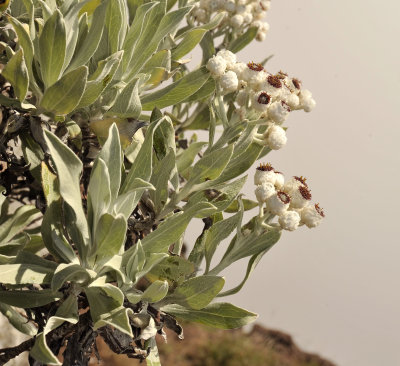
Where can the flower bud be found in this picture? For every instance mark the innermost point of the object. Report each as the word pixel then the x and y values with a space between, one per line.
pixel 229 82
pixel 289 220
pixel 229 57
pixel 275 137
pixel 216 65
pixel 280 180
pixel 236 21
pixel 242 98
pixel 264 191
pixel 294 183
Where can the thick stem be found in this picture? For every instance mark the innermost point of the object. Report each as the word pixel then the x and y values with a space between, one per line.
pixel 7 354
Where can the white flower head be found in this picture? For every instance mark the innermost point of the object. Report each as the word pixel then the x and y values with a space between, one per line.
pixel 264 191
pixel 275 137
pixel 280 180
pixel 294 183
pixel 300 197
pixel 278 111
pixel 273 86
pixel 229 82
pixel 253 74
pixel 216 65
pixel 289 220
pixel 261 101
pixel 239 68
pixel 236 21
pixel 229 57
pixel 264 174
pixel 312 216
pixel 247 17
pixel 292 100
pixel 308 105
pixel 278 203
pixel 204 4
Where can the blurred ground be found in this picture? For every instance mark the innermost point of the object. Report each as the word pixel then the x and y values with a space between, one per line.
pixel 209 347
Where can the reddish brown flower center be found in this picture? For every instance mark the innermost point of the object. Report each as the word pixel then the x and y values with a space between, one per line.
pixel 265 167
pixel 274 81
pixel 284 197
pixel 296 83
pixel 319 210
pixel 302 180
pixel 263 98
pixel 255 67
pixel 305 192
pixel 286 106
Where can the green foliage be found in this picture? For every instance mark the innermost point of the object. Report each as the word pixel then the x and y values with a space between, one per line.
pixel 116 187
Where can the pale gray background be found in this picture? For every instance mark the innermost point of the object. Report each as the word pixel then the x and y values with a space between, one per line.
pixel 336 288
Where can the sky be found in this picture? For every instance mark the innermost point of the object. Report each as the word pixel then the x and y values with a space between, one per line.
pixel 335 288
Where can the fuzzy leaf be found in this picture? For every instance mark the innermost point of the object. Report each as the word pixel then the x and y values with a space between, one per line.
pixel 127 104
pixel 21 274
pixel 29 299
pixel 217 315
pixel 17 320
pixel 155 292
pixel 52 46
pixel 62 97
pixel 16 73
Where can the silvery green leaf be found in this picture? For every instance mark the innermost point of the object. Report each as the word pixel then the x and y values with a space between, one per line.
pixel 99 194
pixel 155 292
pixel 142 166
pixel 126 202
pixel 217 315
pixel 153 359
pixel 70 272
pixel 197 292
pixel 127 104
pixel 16 73
pixel 171 229
pixel 254 260
pixel 114 264
pixel 161 58
pixel 46 11
pixel 22 274
pixel 223 196
pixel 52 46
pixel 186 157
pixel 98 81
pixel 91 41
pixel 218 232
pixel 176 92
pixel 67 312
pixel 109 236
pixel 17 320
pixel 17 222
pixel 164 138
pixel 116 24
pixel 252 244
pixel 149 40
pixel 112 156
pixel 160 177
pixel 106 306
pixel 190 40
pixel 83 30
pixel 203 93
pixel 209 168
pixel 139 22
pixel 247 205
pixel 29 298
pixel 173 269
pixel 62 97
pixel 69 168
pixel 243 40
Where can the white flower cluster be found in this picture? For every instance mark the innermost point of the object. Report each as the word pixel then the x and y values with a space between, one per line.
pixel 290 201
pixel 273 97
pixel 240 14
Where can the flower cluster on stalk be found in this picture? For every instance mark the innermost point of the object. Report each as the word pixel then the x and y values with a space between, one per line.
pixel 272 97
pixel 239 14
pixel 290 200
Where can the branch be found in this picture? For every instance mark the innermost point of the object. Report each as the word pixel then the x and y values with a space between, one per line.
pixel 6 354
